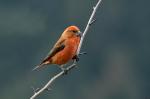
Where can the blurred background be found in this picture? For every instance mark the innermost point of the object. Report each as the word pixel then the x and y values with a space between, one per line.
pixel 117 65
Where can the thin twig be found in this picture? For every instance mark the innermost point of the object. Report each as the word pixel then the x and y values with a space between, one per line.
pixel 51 81
pixel 90 22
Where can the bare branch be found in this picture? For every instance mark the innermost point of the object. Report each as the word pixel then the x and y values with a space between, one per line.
pixel 47 86
pixel 91 20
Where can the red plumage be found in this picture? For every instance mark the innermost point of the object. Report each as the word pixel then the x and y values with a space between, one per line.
pixel 65 48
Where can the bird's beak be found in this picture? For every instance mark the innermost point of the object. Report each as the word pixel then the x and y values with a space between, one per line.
pixel 79 33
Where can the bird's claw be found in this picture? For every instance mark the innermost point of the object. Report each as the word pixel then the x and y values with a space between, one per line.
pixel 64 70
pixel 76 58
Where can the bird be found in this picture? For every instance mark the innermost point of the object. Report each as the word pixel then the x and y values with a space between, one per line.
pixel 65 49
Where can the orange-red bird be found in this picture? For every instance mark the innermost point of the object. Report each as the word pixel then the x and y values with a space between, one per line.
pixel 65 48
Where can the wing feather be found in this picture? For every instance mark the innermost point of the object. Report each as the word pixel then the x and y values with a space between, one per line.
pixel 60 45
pixel 57 48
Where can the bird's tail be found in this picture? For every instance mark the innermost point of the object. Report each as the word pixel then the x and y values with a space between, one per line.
pixel 41 65
pixel 37 67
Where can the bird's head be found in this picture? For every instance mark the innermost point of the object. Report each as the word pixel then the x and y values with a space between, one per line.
pixel 72 31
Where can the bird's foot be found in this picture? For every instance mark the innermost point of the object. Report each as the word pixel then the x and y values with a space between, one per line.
pixel 76 58
pixel 64 70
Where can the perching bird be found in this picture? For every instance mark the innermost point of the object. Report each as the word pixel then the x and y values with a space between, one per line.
pixel 65 48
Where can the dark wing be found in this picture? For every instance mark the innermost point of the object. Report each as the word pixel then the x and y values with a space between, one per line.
pixel 57 48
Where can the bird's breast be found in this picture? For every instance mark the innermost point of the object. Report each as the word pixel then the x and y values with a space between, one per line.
pixel 71 46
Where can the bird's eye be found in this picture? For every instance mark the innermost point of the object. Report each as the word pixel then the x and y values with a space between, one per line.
pixel 74 31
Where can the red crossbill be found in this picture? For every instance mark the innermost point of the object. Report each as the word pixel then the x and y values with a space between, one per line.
pixel 65 48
